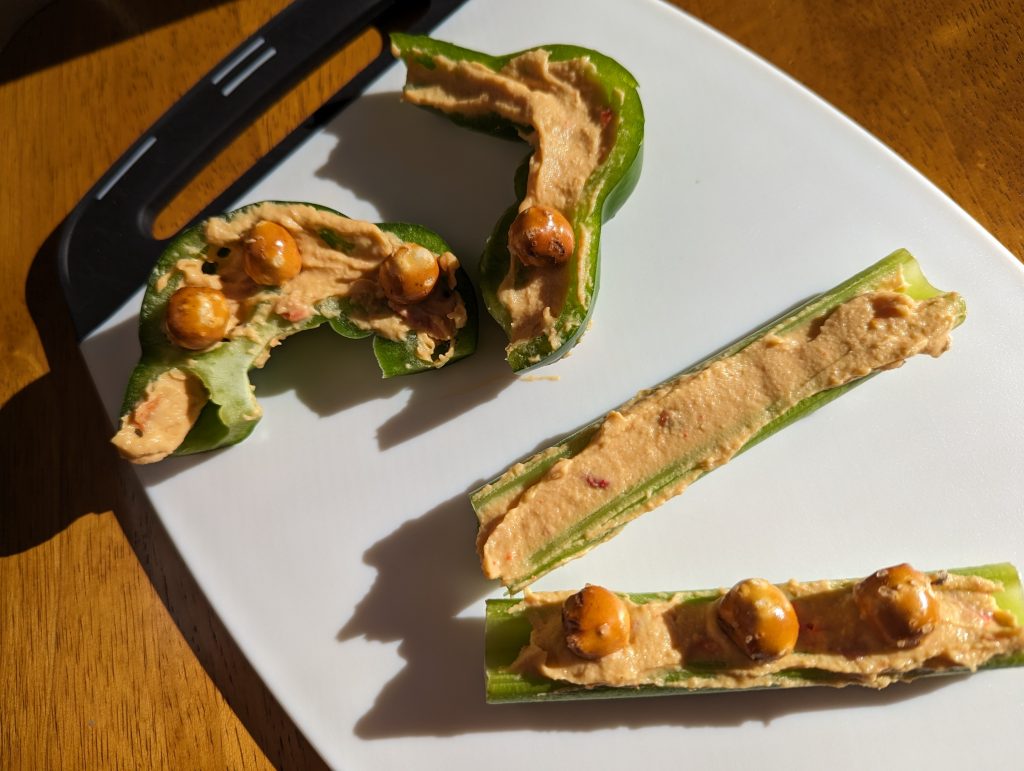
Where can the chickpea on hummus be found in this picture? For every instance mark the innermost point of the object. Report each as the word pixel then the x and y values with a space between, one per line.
pixel 895 625
pixel 229 290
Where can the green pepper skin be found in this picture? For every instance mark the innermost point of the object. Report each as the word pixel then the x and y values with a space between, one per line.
pixel 606 189
pixel 606 522
pixel 232 412
pixel 507 631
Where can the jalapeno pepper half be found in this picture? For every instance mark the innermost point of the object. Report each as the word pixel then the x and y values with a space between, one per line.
pixel 581 113
pixel 189 394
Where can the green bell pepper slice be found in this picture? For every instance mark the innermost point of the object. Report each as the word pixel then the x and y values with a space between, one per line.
pixel 507 631
pixel 897 271
pixel 605 190
pixel 232 412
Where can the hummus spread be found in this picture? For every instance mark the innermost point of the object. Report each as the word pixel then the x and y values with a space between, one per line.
pixel 158 424
pixel 678 642
pixel 697 422
pixel 341 259
pixel 565 117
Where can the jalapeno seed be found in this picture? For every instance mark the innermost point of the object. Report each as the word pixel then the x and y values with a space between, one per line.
pixel 759 619
pixel 541 236
pixel 197 317
pixel 900 602
pixel 409 274
pixel 596 622
pixel 271 254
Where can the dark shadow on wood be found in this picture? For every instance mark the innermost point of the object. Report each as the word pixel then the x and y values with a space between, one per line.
pixel 65 29
pixel 87 476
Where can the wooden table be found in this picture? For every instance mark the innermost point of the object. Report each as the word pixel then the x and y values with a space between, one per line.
pixel 109 656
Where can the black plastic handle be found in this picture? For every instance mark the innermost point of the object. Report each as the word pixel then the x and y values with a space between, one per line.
pixel 107 248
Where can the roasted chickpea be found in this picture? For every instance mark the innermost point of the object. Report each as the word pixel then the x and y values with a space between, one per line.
pixel 197 317
pixel 900 602
pixel 541 236
pixel 595 621
pixel 760 619
pixel 271 254
pixel 409 274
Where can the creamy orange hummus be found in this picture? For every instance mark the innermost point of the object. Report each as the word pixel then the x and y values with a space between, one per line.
pixel 678 642
pixel 159 423
pixel 341 259
pixel 699 421
pixel 348 271
pixel 566 119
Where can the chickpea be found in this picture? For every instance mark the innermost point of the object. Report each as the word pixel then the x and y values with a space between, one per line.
pixel 595 621
pixel 900 602
pixel 541 236
pixel 197 317
pixel 760 619
pixel 271 254
pixel 409 274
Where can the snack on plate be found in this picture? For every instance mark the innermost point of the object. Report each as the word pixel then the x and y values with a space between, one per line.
pixel 561 502
pixel 228 290
pixel 581 114
pixel 893 626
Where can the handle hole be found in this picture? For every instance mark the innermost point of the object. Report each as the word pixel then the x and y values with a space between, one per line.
pixel 267 131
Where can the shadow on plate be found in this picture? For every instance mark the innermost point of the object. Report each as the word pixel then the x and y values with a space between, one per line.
pixel 346 374
pixel 427 572
pixel 414 166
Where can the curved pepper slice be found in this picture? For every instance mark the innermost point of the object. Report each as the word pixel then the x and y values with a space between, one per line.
pixel 180 401
pixel 581 113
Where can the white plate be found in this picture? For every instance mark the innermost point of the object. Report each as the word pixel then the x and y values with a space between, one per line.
pixel 337 542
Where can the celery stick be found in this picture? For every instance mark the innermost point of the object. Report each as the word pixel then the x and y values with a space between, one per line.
pixel 507 631
pixel 899 271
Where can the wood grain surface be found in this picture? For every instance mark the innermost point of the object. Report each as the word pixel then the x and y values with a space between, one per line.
pixel 109 655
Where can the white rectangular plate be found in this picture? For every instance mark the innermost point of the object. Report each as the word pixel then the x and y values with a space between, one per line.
pixel 337 542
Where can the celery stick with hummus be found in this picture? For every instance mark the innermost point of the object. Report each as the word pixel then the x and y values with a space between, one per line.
pixel 580 113
pixel 561 502
pixel 225 292
pixel 895 625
